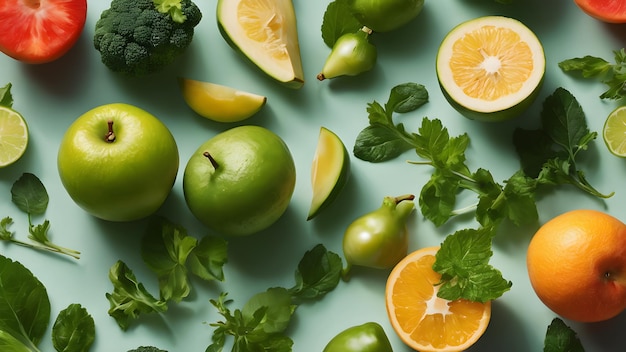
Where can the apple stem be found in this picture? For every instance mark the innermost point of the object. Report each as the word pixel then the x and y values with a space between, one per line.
pixel 213 162
pixel 110 136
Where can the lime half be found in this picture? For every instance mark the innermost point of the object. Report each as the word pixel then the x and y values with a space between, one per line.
pixel 614 132
pixel 13 136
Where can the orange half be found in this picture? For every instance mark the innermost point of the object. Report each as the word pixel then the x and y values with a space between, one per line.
pixel 424 321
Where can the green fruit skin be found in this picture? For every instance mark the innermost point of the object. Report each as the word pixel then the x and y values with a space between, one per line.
pixel 351 55
pixel 126 180
pixel 496 116
pixel 385 15
pixel 379 239
pixel 368 337
pixel 251 187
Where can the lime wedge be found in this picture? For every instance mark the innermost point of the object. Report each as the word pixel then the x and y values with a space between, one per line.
pixel 329 172
pixel 614 132
pixel 220 103
pixel 13 136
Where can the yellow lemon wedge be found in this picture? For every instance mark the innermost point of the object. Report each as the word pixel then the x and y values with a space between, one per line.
pixel 614 132
pixel 265 32
pixel 490 68
pixel 218 102
pixel 329 171
pixel 13 136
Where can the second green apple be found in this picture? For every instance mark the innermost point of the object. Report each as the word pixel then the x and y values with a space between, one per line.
pixel 240 181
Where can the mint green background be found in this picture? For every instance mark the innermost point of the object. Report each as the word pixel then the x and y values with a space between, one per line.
pixel 51 96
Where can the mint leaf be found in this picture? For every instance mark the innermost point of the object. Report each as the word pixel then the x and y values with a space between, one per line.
pixel 611 74
pixel 208 258
pixel 561 338
pixel 29 194
pixel 378 143
pixel 338 20
pixel 406 97
pixel 6 98
pixel 74 330
pixel 463 262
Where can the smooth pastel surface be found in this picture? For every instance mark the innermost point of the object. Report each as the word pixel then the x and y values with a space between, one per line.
pixel 53 95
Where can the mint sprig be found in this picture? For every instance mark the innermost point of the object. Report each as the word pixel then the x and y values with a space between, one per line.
pixel 611 74
pixel 561 338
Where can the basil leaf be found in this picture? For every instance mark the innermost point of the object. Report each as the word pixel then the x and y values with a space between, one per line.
pixel 29 194
pixel 74 330
pixel 208 258
pixel 6 99
pixel 563 119
pixel 378 143
pixel 24 306
pixel 338 20
pixel 318 273
pixel 407 97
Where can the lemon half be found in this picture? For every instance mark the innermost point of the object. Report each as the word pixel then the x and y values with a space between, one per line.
pixel 13 136
pixel 218 102
pixel 491 68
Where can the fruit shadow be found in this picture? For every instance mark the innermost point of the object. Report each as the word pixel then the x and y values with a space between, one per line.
pixel 505 332
pixel 601 336
pixel 68 75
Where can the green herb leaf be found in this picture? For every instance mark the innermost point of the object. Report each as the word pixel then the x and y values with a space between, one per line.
pixel 6 98
pixel 463 262
pixel 208 258
pixel 129 298
pixel 406 97
pixel 5 233
pixel 611 74
pixel 165 248
pixel 172 7
pixel 30 195
pixel 74 330
pixel 561 338
pixel 318 273
pixel 338 20
pixel 269 312
pixel 24 307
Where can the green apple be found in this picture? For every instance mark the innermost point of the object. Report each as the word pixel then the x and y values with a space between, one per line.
pixel 118 162
pixel 240 181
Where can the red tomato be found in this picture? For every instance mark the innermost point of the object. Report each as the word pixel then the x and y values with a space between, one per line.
pixel 609 11
pixel 39 31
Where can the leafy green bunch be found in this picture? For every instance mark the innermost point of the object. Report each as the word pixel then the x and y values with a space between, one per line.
pixel 548 157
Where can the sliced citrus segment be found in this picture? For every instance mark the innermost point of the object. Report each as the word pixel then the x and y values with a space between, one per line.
pixel 490 68
pixel 13 136
pixel 265 32
pixel 424 321
pixel 329 171
pixel 614 132
pixel 218 102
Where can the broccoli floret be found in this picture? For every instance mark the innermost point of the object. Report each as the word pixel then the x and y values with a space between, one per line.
pixel 146 349
pixel 139 37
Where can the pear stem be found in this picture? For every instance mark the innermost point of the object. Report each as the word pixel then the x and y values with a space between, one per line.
pixel 110 136
pixel 211 159
pixel 404 197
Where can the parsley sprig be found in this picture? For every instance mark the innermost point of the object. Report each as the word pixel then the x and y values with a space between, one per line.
pixel 261 323
pixel 611 74
pixel 29 194
pixel 548 155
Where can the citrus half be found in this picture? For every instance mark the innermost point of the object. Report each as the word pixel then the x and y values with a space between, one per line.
pixel 329 171
pixel 265 32
pixel 424 321
pixel 490 68
pixel 218 102
pixel 614 132
pixel 13 136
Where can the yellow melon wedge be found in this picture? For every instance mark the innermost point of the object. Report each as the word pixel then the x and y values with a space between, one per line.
pixel 218 102
pixel 265 32
pixel 329 172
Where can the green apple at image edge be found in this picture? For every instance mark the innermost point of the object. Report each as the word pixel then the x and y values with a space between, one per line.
pixel 240 181
pixel 118 162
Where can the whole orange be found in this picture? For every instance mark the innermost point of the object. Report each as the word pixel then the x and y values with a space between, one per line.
pixel 577 265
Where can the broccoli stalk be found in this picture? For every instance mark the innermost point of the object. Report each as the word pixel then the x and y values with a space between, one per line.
pixel 139 37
